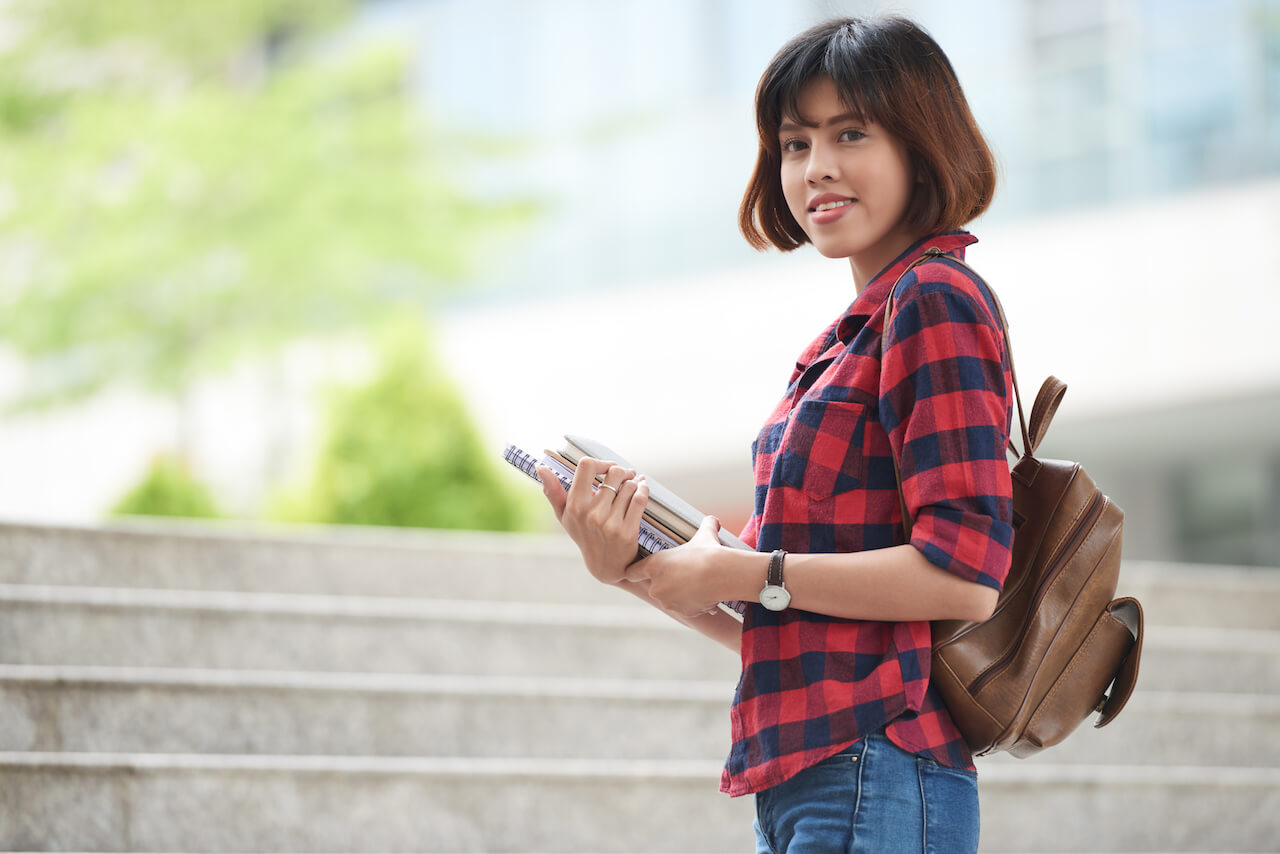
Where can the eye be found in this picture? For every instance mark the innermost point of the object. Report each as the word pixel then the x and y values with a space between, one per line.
pixel 794 145
pixel 851 135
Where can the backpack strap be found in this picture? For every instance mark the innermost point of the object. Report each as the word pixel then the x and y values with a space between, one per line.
pixel 1042 411
pixel 1030 438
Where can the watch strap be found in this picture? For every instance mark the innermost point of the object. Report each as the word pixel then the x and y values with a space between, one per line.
pixel 774 577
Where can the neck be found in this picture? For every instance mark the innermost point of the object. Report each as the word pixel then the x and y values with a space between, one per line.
pixel 865 265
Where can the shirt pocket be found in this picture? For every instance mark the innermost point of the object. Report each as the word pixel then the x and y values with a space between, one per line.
pixel 823 449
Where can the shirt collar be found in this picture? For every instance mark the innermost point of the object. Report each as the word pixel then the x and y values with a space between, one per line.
pixel 876 293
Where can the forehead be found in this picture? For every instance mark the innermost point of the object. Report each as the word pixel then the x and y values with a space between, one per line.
pixel 816 101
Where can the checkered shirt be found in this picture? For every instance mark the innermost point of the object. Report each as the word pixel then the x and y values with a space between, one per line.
pixel 939 399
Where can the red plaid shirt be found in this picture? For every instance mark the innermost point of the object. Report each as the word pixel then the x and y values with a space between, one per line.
pixel 939 400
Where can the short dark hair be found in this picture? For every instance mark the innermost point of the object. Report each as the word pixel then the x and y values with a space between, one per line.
pixel 892 72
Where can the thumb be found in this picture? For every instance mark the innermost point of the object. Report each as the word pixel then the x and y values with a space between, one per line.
pixel 637 571
pixel 552 488
pixel 710 527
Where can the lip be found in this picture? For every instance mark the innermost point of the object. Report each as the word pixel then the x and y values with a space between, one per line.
pixel 829 216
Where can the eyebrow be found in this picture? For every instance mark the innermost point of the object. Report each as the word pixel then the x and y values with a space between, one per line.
pixel 797 123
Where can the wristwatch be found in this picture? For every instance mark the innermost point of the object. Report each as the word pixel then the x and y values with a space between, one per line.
pixel 774 596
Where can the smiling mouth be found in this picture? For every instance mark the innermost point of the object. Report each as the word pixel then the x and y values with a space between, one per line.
pixel 829 206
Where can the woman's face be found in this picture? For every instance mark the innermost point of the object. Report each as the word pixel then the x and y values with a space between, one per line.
pixel 847 181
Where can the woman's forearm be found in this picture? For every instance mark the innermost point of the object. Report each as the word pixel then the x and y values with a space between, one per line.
pixel 893 584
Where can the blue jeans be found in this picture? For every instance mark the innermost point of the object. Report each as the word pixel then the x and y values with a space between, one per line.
pixel 871 797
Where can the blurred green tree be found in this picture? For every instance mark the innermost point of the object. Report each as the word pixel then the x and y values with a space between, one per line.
pixel 179 194
pixel 182 190
pixel 400 450
pixel 168 489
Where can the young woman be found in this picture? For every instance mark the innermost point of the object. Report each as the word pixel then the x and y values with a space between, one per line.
pixel 868 151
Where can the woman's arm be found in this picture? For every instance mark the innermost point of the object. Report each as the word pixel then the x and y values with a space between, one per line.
pixel 892 584
pixel 688 582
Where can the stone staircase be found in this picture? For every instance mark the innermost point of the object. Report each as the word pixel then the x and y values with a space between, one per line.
pixel 181 687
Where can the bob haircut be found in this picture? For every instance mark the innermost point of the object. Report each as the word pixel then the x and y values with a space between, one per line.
pixel 890 71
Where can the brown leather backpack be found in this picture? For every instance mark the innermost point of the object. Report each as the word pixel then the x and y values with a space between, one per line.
pixel 1058 646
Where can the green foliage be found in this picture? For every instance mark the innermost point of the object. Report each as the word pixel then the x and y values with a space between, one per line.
pixel 167 489
pixel 198 36
pixel 401 451
pixel 183 190
pixel 187 186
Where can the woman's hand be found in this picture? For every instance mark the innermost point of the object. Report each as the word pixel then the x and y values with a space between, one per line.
pixel 604 522
pixel 685 580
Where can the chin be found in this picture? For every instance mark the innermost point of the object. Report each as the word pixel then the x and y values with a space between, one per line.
pixel 829 250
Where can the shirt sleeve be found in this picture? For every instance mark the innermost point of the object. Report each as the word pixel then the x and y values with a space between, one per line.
pixel 944 402
pixel 751 531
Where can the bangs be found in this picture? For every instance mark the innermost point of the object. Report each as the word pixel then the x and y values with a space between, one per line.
pixel 844 56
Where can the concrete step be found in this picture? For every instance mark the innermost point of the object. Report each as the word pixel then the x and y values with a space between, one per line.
pixel 138 802
pixel 1106 808
pixel 151 710
pixel 172 628
pixel 1210 660
pixel 1194 595
pixel 132 802
pixel 410 690
pixel 1183 728
pixel 357 561
pixel 190 555
pixel 91 709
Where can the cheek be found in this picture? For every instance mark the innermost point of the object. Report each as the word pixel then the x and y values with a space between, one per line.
pixel 794 191
pixel 906 178
pixel 896 184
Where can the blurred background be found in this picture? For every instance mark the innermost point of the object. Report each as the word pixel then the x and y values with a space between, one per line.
pixel 319 261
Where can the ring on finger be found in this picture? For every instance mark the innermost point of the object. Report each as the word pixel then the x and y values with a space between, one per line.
pixel 607 486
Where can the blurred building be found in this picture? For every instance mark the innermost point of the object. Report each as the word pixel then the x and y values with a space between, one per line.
pixel 632 119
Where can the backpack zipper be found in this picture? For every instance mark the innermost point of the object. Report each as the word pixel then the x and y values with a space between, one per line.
pixel 1090 518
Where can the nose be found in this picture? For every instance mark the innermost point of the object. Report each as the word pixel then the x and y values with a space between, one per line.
pixel 822 165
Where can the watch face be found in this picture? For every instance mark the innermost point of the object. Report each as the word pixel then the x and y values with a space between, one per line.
pixel 774 597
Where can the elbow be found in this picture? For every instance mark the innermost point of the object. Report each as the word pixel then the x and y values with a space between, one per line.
pixel 958 598
pixel 980 604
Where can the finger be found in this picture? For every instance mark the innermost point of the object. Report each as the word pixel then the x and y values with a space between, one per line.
pixel 605 500
pixel 638 571
pixel 638 500
pixel 553 489
pixel 616 476
pixel 626 490
pixel 584 477
pixel 710 527
pixel 611 488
